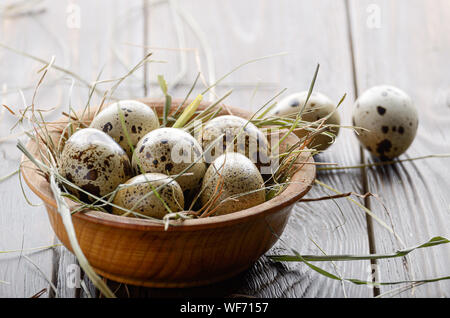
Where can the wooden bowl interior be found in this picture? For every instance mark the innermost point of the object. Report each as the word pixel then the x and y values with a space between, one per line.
pixel 300 184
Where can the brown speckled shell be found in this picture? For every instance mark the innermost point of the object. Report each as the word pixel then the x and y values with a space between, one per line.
pixel 390 119
pixel 93 161
pixel 318 106
pixel 240 176
pixel 250 141
pixel 139 120
pixel 189 253
pixel 152 206
pixel 170 151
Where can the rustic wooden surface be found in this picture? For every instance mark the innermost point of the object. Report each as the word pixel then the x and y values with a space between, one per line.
pixel 415 195
pixel 406 46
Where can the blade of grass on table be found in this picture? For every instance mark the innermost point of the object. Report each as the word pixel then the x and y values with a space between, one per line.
pixel 438 240
pixel 366 210
pixel 49 281
pixel 362 282
pixel 306 259
pixel 385 163
pixel 9 175
pixel 39 248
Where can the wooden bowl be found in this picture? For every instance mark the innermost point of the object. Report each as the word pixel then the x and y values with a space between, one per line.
pixel 193 253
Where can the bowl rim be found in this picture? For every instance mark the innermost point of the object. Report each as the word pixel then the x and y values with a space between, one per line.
pixel 301 183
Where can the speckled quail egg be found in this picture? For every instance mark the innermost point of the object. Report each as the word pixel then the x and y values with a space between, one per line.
pixel 240 176
pixel 171 151
pixel 138 117
pixel 93 161
pixel 318 106
pixel 248 139
pixel 391 119
pixel 138 193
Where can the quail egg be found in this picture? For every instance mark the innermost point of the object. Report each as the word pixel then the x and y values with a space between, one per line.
pixel 239 176
pixel 247 138
pixel 138 117
pixel 390 118
pixel 93 161
pixel 318 106
pixel 171 151
pixel 132 194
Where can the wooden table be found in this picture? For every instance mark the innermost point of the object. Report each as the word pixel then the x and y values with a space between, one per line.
pixel 358 43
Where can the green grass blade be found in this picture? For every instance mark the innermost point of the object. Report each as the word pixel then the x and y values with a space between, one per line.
pixel 162 84
pixel 187 95
pixel 366 210
pixel 188 112
pixel 299 115
pixel 168 102
pixel 438 240
pixel 238 67
pixel 9 175
pixel 363 282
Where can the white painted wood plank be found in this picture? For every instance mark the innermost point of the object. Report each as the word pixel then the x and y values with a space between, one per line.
pixel 237 31
pixel 84 48
pixel 101 43
pixel 21 226
pixel 410 50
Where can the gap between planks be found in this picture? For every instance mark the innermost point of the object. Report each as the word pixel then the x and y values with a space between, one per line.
pixel 146 85
pixel 363 161
pixel 146 26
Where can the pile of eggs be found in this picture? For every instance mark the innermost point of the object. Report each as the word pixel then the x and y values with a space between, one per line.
pixel 150 170
pixel 384 117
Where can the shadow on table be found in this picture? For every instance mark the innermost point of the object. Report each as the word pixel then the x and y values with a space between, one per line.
pixel 227 288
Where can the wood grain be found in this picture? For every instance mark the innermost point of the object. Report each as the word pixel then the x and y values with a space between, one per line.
pixel 253 29
pixel 45 30
pixel 294 71
pixel 99 47
pixel 22 226
pixel 410 50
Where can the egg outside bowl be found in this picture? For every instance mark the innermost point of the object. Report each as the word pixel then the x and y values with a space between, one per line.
pixel 189 253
